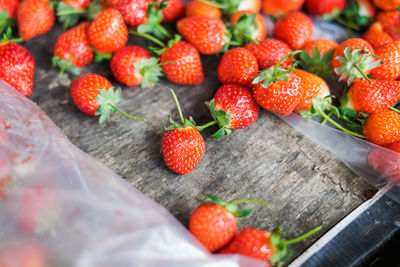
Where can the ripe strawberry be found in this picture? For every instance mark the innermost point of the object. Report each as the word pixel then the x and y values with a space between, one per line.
pixel 134 12
pixel 277 7
pixel 184 65
pixel 253 6
pixel 277 89
pixel 213 222
pixel 383 128
pixel 390 21
pixel 323 45
pixel 72 50
pixel 17 66
pixel 386 163
pixel 389 54
pixel 24 253
pixel 94 95
pixel 269 52
pixel 233 107
pixel 387 4
pixel 324 7
pixel 9 7
pixel 353 59
pixel 314 86
pixel 365 8
pixel 206 34
pixel 182 144
pixel 173 11
pixel 108 32
pixel 133 65
pixel 395 147
pixel 200 9
pixel 376 36
pixel 295 28
pixel 239 66
pixel 34 17
pixel 242 22
pixel 372 97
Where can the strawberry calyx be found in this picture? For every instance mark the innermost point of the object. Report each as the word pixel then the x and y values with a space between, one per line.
pixel 223 119
pixel 351 17
pixel 68 15
pixel 228 7
pixel 155 17
pixel 244 31
pixel 232 206
pixel 281 246
pixel 99 57
pixel 151 71
pixel 108 100
pixel 355 64
pixel 65 65
pixel 7 37
pixel 321 67
pixel 5 20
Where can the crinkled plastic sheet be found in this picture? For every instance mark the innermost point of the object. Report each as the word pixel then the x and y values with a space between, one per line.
pixel 91 216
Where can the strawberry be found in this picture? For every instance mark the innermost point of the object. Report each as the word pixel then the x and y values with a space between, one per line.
pixel 181 63
pixel 72 50
pixel 206 34
pixel 353 59
pixel 389 54
pixel 233 107
pixel 386 163
pixel 197 8
pixel 134 12
pixel 247 24
pixel 94 95
pixel 376 36
pixel 8 11
pixel 372 97
pixel 24 253
pixel 213 222
pixel 17 65
pixel 314 86
pixel 356 15
pixel 390 21
pixel 229 7
pixel 34 17
pixel 108 32
pixel 239 66
pixel 277 7
pixel 269 51
pixel 277 89
pixel 173 11
pixel 182 144
pixel 79 4
pixel 68 11
pixel 387 4
pixel 395 147
pixel 383 128
pixel 324 7
pixel 294 28
pixel 323 45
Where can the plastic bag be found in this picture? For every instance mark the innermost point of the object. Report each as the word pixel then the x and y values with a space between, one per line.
pixel 61 207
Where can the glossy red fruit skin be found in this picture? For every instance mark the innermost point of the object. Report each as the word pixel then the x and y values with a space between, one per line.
pixel 213 226
pixel 323 45
pixel 383 128
pixel 239 66
pixel 254 243
pixel 390 55
pixel 34 17
pixel 108 32
pixel 239 102
pixel 85 89
pixel 187 68
pixel 269 51
pixel 79 4
pixel 373 97
pixel 182 149
pixel 387 4
pixel 280 97
pixel 134 12
pixel 11 7
pixel 322 7
pixel 276 7
pixel 376 36
pixel 294 28
pixel 122 64
pixel 390 21
pixel 74 45
pixel 17 67
pixel 200 9
pixel 206 34
pixel 173 11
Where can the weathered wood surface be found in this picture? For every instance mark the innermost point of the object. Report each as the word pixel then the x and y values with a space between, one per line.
pixel 305 185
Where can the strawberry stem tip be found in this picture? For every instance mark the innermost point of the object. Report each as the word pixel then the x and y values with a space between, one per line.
pixel 302 237
pixel 155 17
pixel 394 109
pixel 177 106
pixel 65 65
pixel 202 127
pixel 7 37
pixel 148 37
pixel 5 21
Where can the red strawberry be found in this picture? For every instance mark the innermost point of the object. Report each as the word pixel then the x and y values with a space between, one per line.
pixel 35 17
pixel 233 107
pixel 173 11
pixel 133 65
pixel 353 59
pixel 277 89
pixel 78 4
pixel 200 9
pixel 253 6
pixel 365 8
pixel 324 7
pixel 376 36
pixel 389 54
pixel 182 145
pixel 213 222
pixel 383 128
pixel 386 163
pixel 10 6
pixel 372 97
pixel 24 253
pixel 395 147
pixel 269 52
pixel 17 67
pixel 239 66
pixel 247 27
pixel 314 86
pixel 94 95
pixel 134 12
pixel 387 4
pixel 206 34
pixel 390 21
pixel 72 50
pixel 277 7
pixel 108 32
pixel 323 46
pixel 294 28
pixel 186 67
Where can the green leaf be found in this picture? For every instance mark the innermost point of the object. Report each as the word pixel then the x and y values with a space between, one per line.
pixel 108 99
pixel 244 31
pixel 242 213
pixel 219 133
